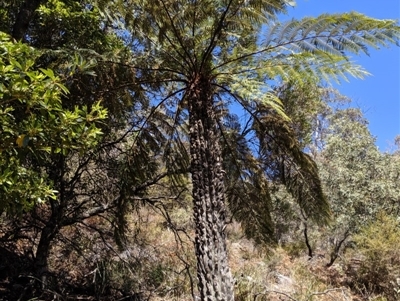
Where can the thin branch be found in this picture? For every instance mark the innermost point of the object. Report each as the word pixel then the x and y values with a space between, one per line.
pixel 154 109
pixel 143 68
pixel 152 81
pixel 325 292
pixel 148 183
pixel 266 292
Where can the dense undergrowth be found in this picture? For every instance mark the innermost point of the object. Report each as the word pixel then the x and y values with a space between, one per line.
pixel 158 263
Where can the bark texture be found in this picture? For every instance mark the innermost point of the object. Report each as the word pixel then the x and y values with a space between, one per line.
pixel 214 276
pixel 43 251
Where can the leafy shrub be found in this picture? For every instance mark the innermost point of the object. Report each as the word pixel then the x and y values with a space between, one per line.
pixel 379 246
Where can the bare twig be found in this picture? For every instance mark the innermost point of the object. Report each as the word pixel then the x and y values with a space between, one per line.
pixel 326 292
pixel 266 292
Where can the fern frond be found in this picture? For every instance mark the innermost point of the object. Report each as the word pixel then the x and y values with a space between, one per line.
pixel 292 167
pixel 246 185
pixel 338 33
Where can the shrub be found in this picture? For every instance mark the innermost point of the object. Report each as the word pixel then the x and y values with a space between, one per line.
pixel 379 246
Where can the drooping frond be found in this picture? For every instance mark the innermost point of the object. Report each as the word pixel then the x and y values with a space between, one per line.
pixel 247 190
pixel 281 153
pixel 250 92
pixel 250 204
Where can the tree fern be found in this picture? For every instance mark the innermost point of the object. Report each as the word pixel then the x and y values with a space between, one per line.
pixel 212 52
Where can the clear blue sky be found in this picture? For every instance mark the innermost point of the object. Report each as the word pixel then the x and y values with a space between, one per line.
pixel 379 94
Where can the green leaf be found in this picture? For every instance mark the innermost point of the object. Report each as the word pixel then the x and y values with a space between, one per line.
pixel 49 73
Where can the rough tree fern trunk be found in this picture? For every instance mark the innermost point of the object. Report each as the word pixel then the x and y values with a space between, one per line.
pixel 214 276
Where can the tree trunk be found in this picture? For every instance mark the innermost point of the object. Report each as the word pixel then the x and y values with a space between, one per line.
pixel 43 251
pixel 54 223
pixel 336 249
pixel 214 277
pixel 310 250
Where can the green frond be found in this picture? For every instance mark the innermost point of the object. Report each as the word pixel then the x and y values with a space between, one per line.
pixel 220 40
pixel 301 65
pixel 252 92
pixel 251 198
pixel 247 190
pixel 335 34
pixel 318 45
pixel 296 170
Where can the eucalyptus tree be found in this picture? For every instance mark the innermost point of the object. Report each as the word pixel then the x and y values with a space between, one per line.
pixel 359 180
pixel 209 54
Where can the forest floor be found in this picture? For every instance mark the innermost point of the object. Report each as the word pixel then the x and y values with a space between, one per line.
pixel 160 265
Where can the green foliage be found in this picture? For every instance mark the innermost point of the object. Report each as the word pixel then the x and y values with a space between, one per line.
pixel 34 124
pixel 326 39
pixel 224 41
pixel 379 245
pixel 348 163
pixel 358 178
pixel 293 167
pixel 50 114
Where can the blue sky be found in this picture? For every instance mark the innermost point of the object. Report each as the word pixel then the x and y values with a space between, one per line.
pixel 379 94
